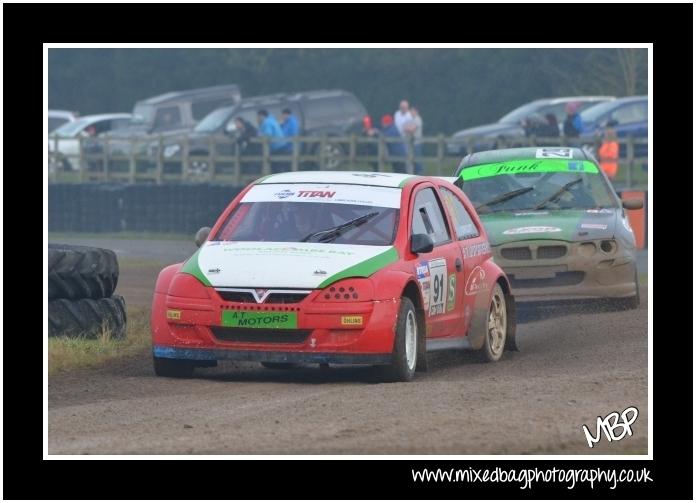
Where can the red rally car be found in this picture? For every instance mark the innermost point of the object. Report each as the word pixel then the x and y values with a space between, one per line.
pixel 335 267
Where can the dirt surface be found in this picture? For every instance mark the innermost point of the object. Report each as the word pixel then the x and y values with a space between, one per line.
pixel 573 366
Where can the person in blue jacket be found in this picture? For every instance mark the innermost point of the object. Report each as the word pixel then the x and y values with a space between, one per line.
pixel 268 126
pixel 290 126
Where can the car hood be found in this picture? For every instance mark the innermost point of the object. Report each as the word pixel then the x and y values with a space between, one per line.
pixel 565 225
pixel 494 129
pixel 284 265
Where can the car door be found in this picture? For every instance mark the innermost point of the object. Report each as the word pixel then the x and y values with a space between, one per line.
pixel 474 249
pixel 434 269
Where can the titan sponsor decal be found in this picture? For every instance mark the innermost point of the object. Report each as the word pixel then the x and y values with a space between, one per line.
pixel 255 319
pixel 173 314
pixel 476 249
pixel 351 320
pixel 531 230
pixel 438 289
pixel 593 226
pixel 389 197
pixel 451 291
pixel 316 193
pixel 476 281
pixel 554 153
pixel 527 166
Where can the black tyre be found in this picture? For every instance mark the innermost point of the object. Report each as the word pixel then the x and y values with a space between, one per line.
pixel 278 365
pixel 87 318
pixel 171 367
pixel 405 352
pixel 81 272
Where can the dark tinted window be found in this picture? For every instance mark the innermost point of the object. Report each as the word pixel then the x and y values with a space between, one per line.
pixel 635 112
pixel 463 224
pixel 200 109
pixel 428 217
pixel 167 117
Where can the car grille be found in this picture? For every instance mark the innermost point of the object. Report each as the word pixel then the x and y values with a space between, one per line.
pixel 273 298
pixel 551 251
pixel 519 253
pixel 278 335
pixel 561 279
pixel 237 296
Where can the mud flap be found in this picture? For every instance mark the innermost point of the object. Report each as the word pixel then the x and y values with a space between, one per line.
pixel 422 358
pixel 511 337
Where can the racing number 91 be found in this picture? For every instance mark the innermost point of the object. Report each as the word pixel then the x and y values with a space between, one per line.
pixel 438 289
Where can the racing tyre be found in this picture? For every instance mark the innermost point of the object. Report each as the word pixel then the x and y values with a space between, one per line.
pixel 496 328
pixel 405 353
pixel 81 272
pixel 171 367
pixel 87 318
pixel 278 365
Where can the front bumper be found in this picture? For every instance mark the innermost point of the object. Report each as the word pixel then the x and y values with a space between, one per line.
pixel 574 273
pixel 324 332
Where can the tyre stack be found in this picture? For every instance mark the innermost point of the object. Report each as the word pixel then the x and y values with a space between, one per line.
pixel 81 300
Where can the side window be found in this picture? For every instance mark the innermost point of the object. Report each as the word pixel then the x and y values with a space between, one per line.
pixel 200 109
pixel 321 112
pixel 463 224
pixel 428 217
pixel 635 112
pixel 167 117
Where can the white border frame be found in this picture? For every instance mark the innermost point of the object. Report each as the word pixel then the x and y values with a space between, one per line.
pixel 641 457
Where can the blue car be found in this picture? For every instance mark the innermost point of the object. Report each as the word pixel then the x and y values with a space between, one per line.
pixel 629 117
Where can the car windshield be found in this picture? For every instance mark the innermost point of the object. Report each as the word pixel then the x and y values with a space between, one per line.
pixel 594 113
pixel 71 129
pixel 536 184
pixel 213 121
pixel 143 114
pixel 338 214
pixel 520 113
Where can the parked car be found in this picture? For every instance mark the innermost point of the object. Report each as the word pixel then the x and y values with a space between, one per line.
pixel 335 267
pixel 57 118
pixel 323 112
pixel 555 224
pixel 627 116
pixel 64 142
pixel 510 125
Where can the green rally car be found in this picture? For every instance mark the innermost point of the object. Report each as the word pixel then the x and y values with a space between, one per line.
pixel 555 224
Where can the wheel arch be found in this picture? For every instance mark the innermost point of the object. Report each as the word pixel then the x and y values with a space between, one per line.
pixel 412 291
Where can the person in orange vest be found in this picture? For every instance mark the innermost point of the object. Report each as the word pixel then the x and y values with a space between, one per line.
pixel 609 153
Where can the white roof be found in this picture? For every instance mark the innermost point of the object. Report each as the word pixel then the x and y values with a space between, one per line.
pixel 339 177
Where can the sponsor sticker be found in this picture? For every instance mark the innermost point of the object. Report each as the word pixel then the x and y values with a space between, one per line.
pixel 530 213
pixel 438 289
pixel 533 166
pixel 423 275
pixel 351 320
pixel 531 230
pixel 173 314
pixel 593 226
pixel 214 271
pixel 476 249
pixel 599 210
pixel 386 197
pixel 284 194
pixel 257 319
pixel 554 153
pixel 451 291
pixel 476 281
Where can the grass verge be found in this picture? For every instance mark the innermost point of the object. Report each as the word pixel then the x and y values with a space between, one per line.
pixel 78 353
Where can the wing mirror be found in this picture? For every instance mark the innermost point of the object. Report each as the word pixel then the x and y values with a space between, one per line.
pixel 632 204
pixel 201 236
pixel 421 243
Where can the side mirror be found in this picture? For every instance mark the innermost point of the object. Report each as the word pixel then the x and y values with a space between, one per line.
pixel 201 236
pixel 421 243
pixel 632 204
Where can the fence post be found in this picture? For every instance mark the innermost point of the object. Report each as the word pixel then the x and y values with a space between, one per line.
pixel 352 151
pixel 131 166
pixel 265 148
pixel 105 158
pixel 322 153
pixel 295 154
pixel 409 155
pixel 160 155
pixel 380 153
pixel 440 152
pixel 237 166
pixel 80 159
pixel 630 153
pixel 211 154
pixel 185 162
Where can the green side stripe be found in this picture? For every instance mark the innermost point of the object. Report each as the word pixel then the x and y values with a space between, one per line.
pixel 191 267
pixel 528 166
pixel 365 268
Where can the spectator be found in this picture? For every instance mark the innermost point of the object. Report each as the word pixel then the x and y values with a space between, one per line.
pixel 268 126
pixel 394 148
pixel 609 153
pixel 572 125
pixel 414 132
pixel 290 126
pixel 402 116
pixel 542 127
pixel 91 131
pixel 244 133
pixel 369 149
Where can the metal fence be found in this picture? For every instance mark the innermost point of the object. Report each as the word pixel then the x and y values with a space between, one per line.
pixel 220 159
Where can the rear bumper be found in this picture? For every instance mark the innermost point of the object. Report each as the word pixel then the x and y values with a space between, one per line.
pixel 270 356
